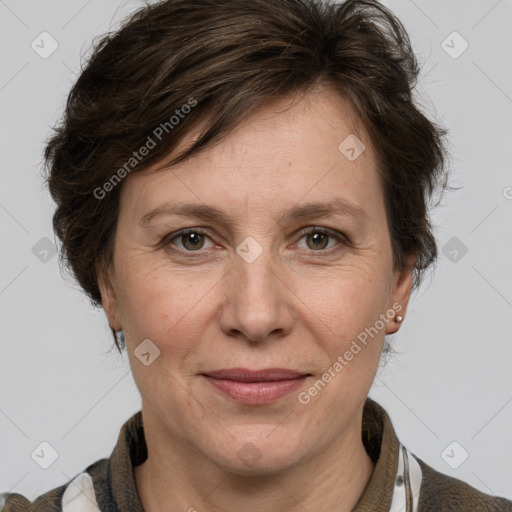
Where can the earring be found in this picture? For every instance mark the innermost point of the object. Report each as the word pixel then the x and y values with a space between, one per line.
pixel 120 339
pixel 398 319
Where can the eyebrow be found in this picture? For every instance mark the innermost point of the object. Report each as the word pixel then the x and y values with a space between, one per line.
pixel 298 212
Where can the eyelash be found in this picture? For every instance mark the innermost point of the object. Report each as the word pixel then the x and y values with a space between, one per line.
pixel 344 242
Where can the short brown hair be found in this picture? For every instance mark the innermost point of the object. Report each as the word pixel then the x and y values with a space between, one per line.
pixel 231 57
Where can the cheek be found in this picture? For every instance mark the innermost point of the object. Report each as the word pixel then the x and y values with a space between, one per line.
pixel 158 308
pixel 166 306
pixel 354 345
pixel 347 298
pixel 347 310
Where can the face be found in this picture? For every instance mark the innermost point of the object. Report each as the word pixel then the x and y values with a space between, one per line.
pixel 267 281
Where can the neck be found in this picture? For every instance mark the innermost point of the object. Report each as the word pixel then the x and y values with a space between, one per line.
pixel 333 480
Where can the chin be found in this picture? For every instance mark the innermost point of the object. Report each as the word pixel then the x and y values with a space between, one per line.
pixel 261 464
pixel 259 455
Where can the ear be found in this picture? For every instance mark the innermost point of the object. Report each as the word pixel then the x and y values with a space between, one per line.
pixel 400 294
pixel 108 298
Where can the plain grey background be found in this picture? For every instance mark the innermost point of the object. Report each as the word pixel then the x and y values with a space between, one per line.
pixel 452 383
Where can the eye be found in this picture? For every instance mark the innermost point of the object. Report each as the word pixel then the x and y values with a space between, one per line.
pixel 317 239
pixel 192 239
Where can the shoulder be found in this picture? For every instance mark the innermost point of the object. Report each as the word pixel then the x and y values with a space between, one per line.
pixel 80 493
pixel 13 502
pixel 444 493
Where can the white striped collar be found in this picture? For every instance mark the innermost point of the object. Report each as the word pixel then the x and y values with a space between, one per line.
pixel 407 483
pixel 79 495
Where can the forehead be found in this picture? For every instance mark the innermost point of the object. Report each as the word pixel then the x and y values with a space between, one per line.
pixel 303 148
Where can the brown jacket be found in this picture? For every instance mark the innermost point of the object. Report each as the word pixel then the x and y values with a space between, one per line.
pixel 400 480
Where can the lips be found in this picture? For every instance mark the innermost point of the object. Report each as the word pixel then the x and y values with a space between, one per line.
pixel 255 387
pixel 245 375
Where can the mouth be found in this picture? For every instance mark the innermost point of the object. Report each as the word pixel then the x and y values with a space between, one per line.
pixel 256 387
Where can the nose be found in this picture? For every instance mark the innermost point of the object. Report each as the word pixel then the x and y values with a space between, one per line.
pixel 257 303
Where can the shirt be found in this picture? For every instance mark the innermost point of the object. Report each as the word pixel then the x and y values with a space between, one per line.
pixel 400 482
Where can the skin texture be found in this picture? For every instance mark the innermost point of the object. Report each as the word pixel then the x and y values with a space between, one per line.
pixel 296 306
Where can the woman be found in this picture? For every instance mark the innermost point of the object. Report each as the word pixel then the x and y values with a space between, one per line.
pixel 243 186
